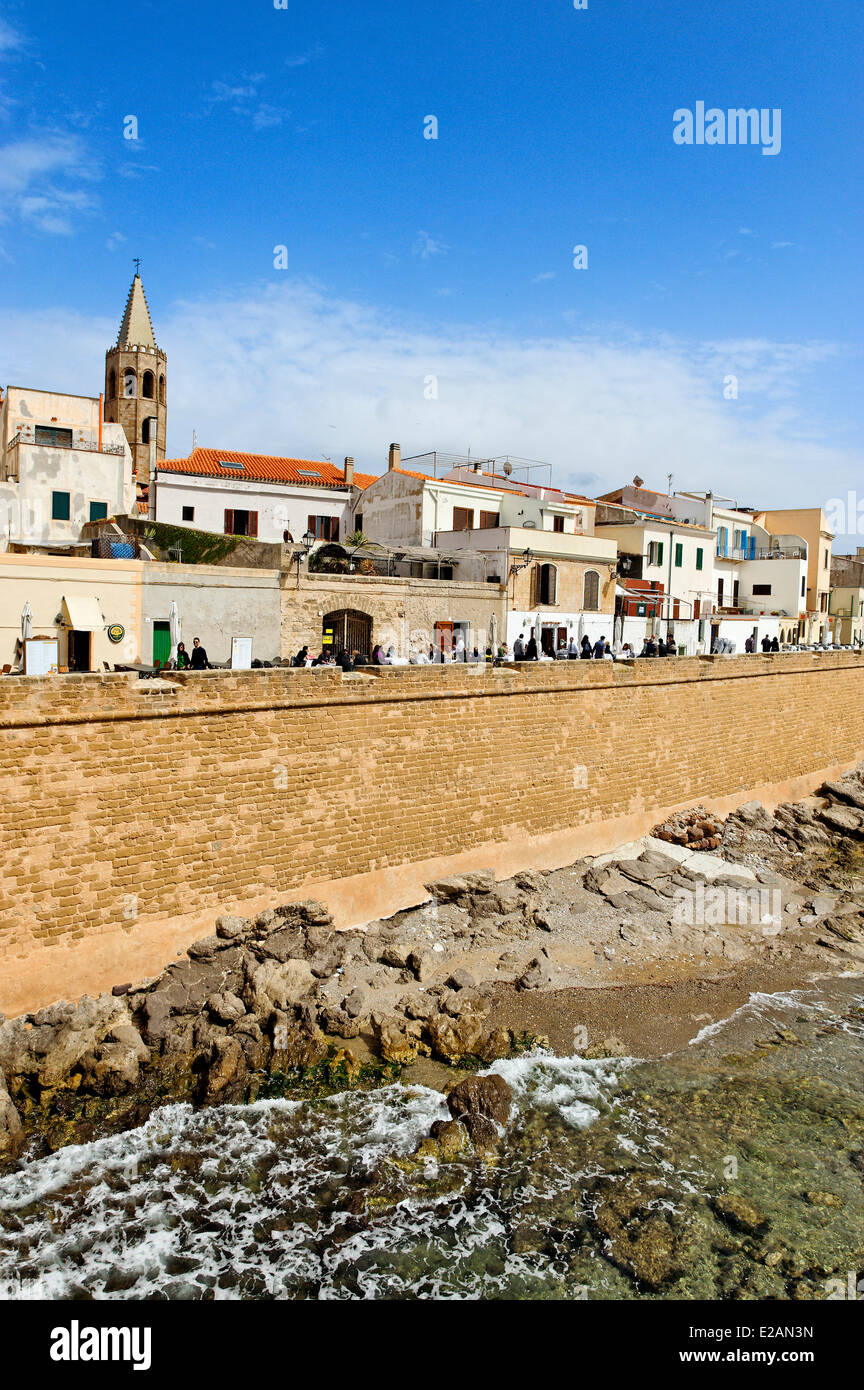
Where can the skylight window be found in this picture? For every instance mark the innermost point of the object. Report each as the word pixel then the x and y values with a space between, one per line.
pixel 308 473
pixel 228 463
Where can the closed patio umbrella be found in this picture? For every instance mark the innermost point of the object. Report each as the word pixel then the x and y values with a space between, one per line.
pixel 493 633
pixel 26 623
pixel 174 628
pixel 618 633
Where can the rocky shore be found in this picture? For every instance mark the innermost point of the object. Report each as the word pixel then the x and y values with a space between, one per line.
pixel 285 1004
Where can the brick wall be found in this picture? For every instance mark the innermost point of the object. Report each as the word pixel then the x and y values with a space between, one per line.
pixel 126 801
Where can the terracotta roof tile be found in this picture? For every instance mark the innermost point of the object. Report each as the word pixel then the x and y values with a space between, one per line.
pixel 262 468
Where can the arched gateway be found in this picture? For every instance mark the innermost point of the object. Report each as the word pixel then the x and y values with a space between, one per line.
pixel 347 630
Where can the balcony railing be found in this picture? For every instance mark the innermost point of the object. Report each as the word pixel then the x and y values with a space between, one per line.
pixel 795 552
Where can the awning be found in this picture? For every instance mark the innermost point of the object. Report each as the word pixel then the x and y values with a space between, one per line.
pixel 83 613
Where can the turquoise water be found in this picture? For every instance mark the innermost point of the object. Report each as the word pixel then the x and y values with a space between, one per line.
pixel 731 1169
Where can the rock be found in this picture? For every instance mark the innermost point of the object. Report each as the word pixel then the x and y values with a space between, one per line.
pixel 454 1038
pixel 446 890
pixel 355 1004
pixel 825 1199
pixel 450 1137
pixel 481 1095
pixel 206 948
pixel 297 1039
pixel 273 984
pixel 482 1133
pixel 539 974
pixel 642 1239
pixel 11 1129
pixel 462 979
pixel 230 928
pixel 227 1068
pixel 88 1024
pixel 398 1039
pixel 740 1214
pixel 425 964
pixel 644 870
pixel 117 990
pixel 227 1007
pixel 846 821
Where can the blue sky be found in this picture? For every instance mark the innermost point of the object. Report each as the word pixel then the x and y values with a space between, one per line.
pixel 408 257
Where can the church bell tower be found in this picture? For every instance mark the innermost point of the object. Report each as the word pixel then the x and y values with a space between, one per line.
pixel 136 382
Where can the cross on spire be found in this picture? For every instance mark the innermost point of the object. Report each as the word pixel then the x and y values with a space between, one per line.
pixel 136 261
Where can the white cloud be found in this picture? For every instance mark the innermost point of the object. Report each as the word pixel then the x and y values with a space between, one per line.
pixel 35 178
pixel 272 368
pixel 426 246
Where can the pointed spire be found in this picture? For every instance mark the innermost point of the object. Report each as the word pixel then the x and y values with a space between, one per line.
pixel 136 330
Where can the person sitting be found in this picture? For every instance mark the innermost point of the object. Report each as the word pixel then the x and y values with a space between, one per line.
pixel 199 660
pixel 531 649
pixel 627 653
pixel 182 656
pixel 671 648
pixel 300 659
pixel 561 654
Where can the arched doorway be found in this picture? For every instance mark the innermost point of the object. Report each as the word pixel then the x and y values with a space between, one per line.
pixel 347 630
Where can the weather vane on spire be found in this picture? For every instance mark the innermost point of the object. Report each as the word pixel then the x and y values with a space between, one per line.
pixel 136 261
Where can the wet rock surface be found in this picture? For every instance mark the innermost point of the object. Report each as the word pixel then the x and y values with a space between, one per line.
pixel 283 1000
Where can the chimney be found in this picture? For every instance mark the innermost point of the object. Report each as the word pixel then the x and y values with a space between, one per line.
pixel 349 472
pixel 395 460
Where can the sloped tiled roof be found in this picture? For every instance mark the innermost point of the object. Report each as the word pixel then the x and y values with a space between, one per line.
pixel 262 468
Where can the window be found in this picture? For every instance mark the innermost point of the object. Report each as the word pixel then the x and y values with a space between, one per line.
pixel 358 521
pixel 763 589
pixel 59 506
pixel 112 384
pixel 722 540
pixel 679 555
pixel 188 514
pixel 719 593
pixel 488 520
pixel 148 429
pixel 148 385
pixel 324 528
pixel 826 559
pixel 803 584
pixel 229 463
pixel 557 523
pixel 655 552
pixel 162 390
pixel 130 386
pixel 54 438
pixel 98 511
pixel 698 557
pixel 240 523
pixel 591 591
pixel 546 584
pixel 463 518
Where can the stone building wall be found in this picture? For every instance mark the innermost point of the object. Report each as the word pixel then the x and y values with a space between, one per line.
pixel 128 802
pixel 403 611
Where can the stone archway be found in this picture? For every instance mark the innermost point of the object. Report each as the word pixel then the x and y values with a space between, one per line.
pixel 347 629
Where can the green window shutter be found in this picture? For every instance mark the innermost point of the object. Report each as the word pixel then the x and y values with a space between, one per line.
pixel 659 552
pixel 679 556
pixel 699 557
pixel 161 641
pixel 98 511
pixel 60 506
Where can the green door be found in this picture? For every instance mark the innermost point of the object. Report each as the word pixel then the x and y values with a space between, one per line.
pixel 161 642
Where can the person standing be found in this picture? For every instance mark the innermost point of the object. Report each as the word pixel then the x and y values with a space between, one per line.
pixel 198 660
pixel 519 649
pixel 182 657
pixel 531 649
pixel 600 649
pixel 585 654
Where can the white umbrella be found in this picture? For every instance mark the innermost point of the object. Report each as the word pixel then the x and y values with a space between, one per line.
pixel 618 633
pixel 493 633
pixel 538 634
pixel 26 623
pixel 580 631
pixel 174 628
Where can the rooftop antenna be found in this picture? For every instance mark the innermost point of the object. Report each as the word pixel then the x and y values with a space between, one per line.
pixel 194 439
pixel 669 477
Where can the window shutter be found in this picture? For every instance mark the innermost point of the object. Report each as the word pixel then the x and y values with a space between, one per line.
pixel 253 523
pixel 553 584
pixel 659 552
pixel 310 526
pixel 535 586
pixel 229 522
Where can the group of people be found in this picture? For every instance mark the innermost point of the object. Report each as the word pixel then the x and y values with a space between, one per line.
pixel 196 660
pixel 572 650
pixel 344 659
pixel 768 644
pixel 657 647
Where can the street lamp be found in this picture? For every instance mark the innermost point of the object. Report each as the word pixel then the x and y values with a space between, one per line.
pixel 308 541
